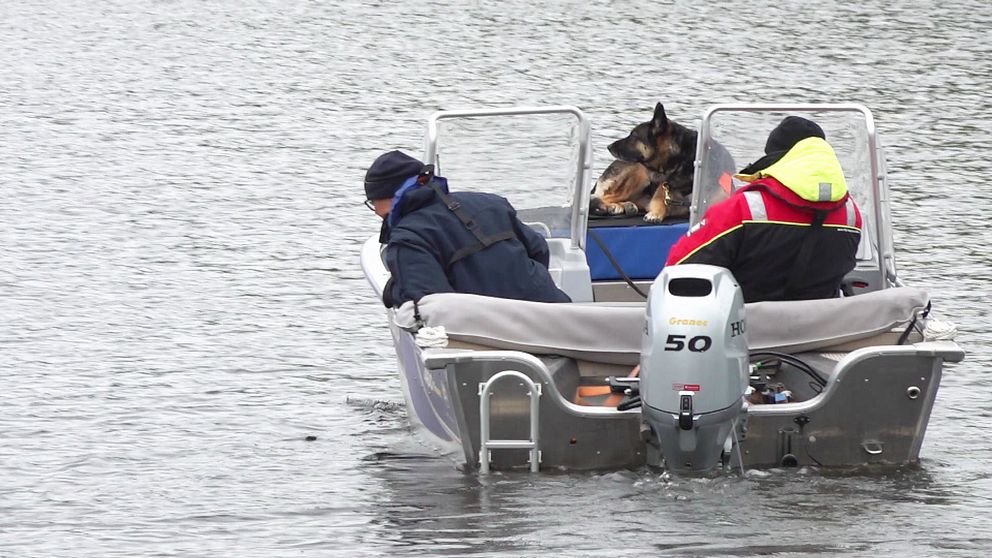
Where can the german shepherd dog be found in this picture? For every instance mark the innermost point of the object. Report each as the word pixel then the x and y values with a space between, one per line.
pixel 652 173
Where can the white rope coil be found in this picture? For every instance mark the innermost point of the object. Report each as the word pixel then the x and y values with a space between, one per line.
pixel 432 337
pixel 939 330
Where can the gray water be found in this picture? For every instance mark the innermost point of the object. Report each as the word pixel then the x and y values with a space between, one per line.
pixel 191 363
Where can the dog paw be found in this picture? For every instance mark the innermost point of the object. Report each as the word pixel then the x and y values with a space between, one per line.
pixel 615 209
pixel 654 217
pixel 629 208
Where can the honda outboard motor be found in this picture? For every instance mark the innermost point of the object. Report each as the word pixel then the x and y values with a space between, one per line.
pixel 694 364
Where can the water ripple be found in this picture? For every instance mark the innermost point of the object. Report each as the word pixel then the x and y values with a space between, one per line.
pixel 192 363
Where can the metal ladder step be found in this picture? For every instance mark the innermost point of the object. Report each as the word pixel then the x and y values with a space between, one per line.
pixel 486 444
pixel 510 444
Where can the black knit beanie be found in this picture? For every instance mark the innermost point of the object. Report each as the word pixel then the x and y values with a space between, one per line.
pixel 791 131
pixel 388 172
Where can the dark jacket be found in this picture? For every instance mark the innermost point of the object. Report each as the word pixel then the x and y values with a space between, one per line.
pixel 426 247
pixel 759 234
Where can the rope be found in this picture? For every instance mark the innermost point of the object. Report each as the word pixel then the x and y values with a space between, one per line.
pixel 615 263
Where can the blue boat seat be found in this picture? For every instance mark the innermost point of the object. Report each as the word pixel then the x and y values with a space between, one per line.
pixel 641 249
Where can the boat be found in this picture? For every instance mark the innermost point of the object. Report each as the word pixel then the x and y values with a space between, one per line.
pixel 503 384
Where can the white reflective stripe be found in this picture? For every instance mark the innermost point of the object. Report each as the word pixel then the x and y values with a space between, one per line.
pixel 825 189
pixel 756 204
pixel 852 216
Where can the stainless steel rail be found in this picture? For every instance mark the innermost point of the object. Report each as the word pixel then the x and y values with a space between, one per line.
pixel 487 444
pixel 879 189
pixel 581 192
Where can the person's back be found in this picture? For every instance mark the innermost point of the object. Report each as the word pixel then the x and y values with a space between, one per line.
pixel 430 250
pixel 464 242
pixel 792 233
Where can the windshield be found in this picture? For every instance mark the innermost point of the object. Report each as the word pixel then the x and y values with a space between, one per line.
pixel 530 159
pixel 742 134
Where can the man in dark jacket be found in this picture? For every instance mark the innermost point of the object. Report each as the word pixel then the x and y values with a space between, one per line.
pixel 466 242
pixel 792 232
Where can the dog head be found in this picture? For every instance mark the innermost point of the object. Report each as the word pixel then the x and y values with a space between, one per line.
pixel 660 144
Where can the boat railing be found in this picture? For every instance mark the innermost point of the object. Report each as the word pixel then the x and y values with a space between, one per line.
pixel 580 191
pixel 877 179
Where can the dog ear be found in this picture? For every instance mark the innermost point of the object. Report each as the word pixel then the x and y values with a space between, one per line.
pixel 660 120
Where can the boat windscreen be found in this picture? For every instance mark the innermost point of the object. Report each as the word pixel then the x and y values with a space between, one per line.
pixel 742 135
pixel 531 161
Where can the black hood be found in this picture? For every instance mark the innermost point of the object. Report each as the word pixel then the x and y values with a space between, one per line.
pixel 790 131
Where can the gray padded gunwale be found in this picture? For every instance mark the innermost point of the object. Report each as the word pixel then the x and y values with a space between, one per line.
pixel 611 333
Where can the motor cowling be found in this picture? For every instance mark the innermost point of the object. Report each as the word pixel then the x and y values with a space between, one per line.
pixel 694 364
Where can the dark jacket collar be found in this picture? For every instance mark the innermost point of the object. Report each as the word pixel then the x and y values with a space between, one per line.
pixel 411 201
pixel 415 199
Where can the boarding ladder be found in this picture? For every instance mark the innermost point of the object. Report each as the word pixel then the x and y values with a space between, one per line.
pixel 486 444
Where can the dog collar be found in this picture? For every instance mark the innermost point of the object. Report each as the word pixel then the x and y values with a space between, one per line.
pixel 673 203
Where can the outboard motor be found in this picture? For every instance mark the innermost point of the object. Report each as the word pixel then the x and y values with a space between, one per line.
pixel 694 364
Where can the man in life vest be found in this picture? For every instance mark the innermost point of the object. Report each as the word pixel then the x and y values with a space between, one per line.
pixel 792 232
pixel 439 242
